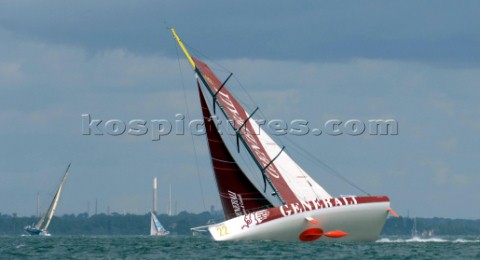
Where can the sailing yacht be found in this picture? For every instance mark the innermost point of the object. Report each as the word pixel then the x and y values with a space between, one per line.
pixel 41 227
pixel 301 209
pixel 156 228
pixel 414 230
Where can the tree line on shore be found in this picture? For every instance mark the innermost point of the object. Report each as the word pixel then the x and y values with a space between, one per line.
pixel 129 224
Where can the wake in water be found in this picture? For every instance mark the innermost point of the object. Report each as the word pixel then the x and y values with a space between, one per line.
pixel 459 240
pixel 427 240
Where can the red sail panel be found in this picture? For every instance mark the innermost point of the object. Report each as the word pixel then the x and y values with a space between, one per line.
pixel 238 115
pixel 237 193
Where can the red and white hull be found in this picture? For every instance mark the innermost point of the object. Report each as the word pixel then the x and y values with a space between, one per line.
pixel 353 219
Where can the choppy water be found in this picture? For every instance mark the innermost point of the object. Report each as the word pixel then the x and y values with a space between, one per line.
pixel 183 247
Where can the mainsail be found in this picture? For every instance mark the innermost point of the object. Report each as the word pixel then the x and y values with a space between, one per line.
pixel 237 194
pixel 47 217
pixel 288 180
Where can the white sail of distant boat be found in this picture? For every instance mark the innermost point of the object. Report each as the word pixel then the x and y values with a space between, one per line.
pixel 156 228
pixel 42 225
pixel 296 207
pixel 414 229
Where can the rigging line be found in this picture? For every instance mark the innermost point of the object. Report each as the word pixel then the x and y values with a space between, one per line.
pixel 329 169
pixel 326 166
pixel 250 97
pixel 188 118
pixel 244 90
pixel 207 58
pixel 303 174
pixel 299 169
pixel 261 112
pixel 223 69
pixel 275 139
pixel 332 171
pixel 231 144
pixel 280 142
pixel 273 187
pixel 244 162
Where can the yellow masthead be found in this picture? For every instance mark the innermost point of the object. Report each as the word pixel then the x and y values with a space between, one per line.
pixel 183 48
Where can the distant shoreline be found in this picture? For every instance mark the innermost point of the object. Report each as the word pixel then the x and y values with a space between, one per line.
pixel 129 224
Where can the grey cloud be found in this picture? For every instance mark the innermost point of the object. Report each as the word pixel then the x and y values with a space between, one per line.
pixel 443 32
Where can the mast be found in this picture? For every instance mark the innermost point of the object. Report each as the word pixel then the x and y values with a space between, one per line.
pixel 289 182
pixel 183 48
pixel 231 121
pixel 154 208
pixel 170 199
pixel 38 204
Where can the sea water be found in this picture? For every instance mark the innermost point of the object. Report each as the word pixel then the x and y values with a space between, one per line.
pixel 187 247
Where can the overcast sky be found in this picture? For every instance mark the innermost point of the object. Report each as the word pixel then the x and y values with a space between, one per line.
pixel 415 62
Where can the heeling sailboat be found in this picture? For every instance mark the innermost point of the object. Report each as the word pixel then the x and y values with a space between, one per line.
pixel 41 227
pixel 156 228
pixel 306 211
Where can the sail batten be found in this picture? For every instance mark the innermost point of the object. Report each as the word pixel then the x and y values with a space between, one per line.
pixel 280 172
pixel 238 117
pixel 298 180
pixel 237 194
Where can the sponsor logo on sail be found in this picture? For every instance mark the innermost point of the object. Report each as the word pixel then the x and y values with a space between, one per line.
pixel 237 203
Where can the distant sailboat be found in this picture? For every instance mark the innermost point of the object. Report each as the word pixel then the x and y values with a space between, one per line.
pixel 414 229
pixel 41 227
pixel 156 228
pixel 300 210
pixel 429 233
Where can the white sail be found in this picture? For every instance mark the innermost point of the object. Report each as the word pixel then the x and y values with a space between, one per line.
pixel 153 225
pixel 40 222
pixel 302 185
pixel 53 206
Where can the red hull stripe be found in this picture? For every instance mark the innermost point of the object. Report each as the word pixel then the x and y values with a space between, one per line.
pixel 267 215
